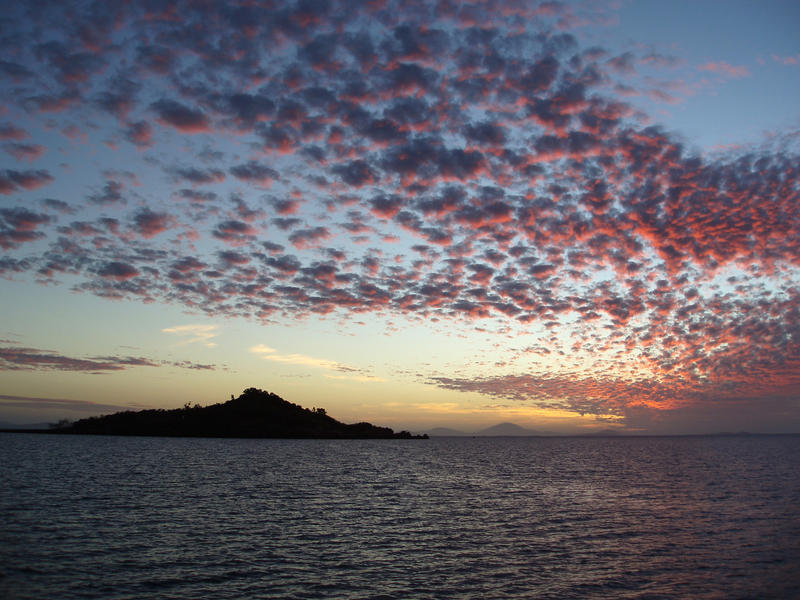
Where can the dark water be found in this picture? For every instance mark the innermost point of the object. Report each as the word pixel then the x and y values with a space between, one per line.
pixel 112 517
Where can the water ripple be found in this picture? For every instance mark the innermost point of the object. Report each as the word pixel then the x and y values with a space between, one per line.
pixel 105 517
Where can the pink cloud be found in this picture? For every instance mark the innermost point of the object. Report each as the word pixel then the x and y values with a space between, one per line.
pixel 148 223
pixel 724 68
pixel 118 271
pixel 10 132
pixel 25 152
pixel 181 117
pixel 789 61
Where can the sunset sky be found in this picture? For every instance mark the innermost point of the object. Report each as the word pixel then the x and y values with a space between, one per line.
pixel 567 215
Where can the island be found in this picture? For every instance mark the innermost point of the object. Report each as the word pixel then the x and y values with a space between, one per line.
pixel 254 414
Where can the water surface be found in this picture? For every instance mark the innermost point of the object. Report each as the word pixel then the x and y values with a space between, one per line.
pixel 670 517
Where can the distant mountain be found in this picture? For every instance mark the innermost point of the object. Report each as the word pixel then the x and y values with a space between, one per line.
pixel 501 429
pixel 254 414
pixel 509 429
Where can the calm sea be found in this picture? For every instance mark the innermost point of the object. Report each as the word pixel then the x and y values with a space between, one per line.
pixel 670 517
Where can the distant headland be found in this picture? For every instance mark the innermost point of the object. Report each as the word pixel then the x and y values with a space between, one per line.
pixel 254 414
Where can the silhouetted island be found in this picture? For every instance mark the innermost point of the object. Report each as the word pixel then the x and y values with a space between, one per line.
pixel 254 414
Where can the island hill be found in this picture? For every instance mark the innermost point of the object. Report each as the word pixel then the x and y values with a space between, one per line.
pixel 254 414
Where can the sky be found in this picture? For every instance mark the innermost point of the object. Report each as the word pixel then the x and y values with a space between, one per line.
pixel 568 215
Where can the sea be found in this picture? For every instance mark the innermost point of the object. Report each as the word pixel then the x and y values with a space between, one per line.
pixel 505 518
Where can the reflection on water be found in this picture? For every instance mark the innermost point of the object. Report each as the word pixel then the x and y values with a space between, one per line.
pixel 109 517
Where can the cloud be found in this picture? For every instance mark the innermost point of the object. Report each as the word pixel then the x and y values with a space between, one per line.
pixel 15 358
pixel 140 133
pixel 301 359
pixel 262 349
pixel 629 399
pixel 19 358
pixel 196 176
pixel 148 223
pixel 344 372
pixel 727 69
pixel 356 173
pixel 787 60
pixel 358 378
pixel 310 237
pixel 255 173
pixel 180 116
pixel 14 70
pixel 195 334
pixel 186 364
pixel 25 152
pixel 19 225
pixel 111 193
pixel 61 404
pixel 234 232
pixel 118 271
pixel 12 180
pixel 247 109
pixel 11 132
